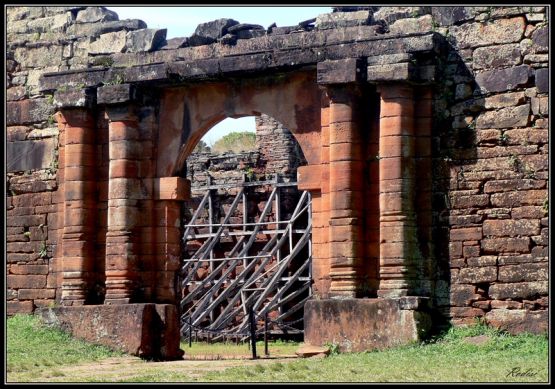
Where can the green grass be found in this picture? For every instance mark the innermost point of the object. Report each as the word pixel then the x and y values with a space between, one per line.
pixel 37 353
pixel 445 359
pixel 231 349
pixel 31 347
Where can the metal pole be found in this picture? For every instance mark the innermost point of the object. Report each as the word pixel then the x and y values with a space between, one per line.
pixel 190 331
pixel 266 352
pixel 253 332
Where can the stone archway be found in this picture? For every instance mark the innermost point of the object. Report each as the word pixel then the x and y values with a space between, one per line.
pixel 350 102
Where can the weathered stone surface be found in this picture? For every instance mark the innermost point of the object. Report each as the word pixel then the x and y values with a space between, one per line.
pixel 540 38
pixel 542 80
pixel 505 117
pixel 28 111
pixel 96 14
pixel 343 19
pixel 96 29
pixel 38 56
pixel 75 98
pixel 411 25
pixel 503 79
pixel 248 34
pixel 391 14
pixel 524 290
pixel 537 271
pixel 516 321
pixel 112 42
pixel 175 43
pixel 29 155
pixel 340 71
pixel 476 275
pixel 479 34
pixel 146 330
pixel 362 324
pixel 244 26
pixel 210 32
pixel 148 39
pixel 307 351
pixel 496 56
pixel 504 100
pixel 16 93
pixel 56 23
pixel 447 16
pixel 392 72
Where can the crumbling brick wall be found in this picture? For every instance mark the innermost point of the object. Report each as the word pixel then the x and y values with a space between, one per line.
pixel 489 150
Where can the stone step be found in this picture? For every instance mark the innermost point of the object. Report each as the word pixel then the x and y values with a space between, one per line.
pixel 308 351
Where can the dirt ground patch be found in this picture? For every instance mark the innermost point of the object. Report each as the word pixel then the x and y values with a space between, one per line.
pixel 128 367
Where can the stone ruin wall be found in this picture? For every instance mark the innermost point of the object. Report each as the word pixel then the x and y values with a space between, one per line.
pixel 489 151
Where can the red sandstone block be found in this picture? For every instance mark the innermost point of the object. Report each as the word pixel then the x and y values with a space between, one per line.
pixel 510 227
pixel 309 177
pixel 469 233
pixel 75 118
pixel 124 169
pixel 16 281
pixel 396 168
pixel 397 146
pixel 466 312
pixel 78 248
pixel 31 294
pixel 396 107
pixel 345 132
pixel 79 159
pixel 80 217
pixel 38 233
pixel 21 257
pixel 79 135
pixel 345 152
pixel 124 149
pixel 324 116
pixel 172 188
pixel 346 175
pixel 22 269
pixel 391 91
pixel 396 185
pixel 347 200
pixel 120 265
pixel 397 125
pixel 505 245
pixel 345 233
pixel 79 173
pixel 339 250
pixel 53 208
pixel 123 131
pixel 395 202
pixel 340 112
pixel 21 211
pixel 392 250
pixel 471 251
pixel 397 233
pixel 423 148
pixel 14 307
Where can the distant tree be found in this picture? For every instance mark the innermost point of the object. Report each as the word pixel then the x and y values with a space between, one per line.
pixel 201 147
pixel 235 142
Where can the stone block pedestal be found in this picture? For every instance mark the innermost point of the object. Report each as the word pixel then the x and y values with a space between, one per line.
pixel 366 324
pixel 150 331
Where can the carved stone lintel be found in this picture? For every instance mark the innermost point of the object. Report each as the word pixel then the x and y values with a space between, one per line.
pixel 343 71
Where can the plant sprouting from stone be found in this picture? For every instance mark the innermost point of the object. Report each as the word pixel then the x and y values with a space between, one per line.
pixel 43 251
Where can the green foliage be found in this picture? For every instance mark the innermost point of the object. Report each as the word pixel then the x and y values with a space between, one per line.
pixel 43 251
pixel 235 142
pixel 545 205
pixel 334 348
pixel 201 147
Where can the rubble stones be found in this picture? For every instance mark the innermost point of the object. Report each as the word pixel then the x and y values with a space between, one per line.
pixel 96 14
pixel 147 39
pixel 210 32
pixel 343 19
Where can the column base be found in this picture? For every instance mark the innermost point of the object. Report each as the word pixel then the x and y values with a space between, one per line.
pixel 366 324
pixel 150 331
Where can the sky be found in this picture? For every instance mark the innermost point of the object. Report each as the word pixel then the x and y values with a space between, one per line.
pixel 182 21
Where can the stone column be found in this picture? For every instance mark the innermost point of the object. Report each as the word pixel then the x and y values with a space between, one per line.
pixel 346 188
pixel 397 185
pixel 79 213
pixel 124 193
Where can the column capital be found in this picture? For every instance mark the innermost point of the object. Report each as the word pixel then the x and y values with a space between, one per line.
pixel 84 98
pixel 342 71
